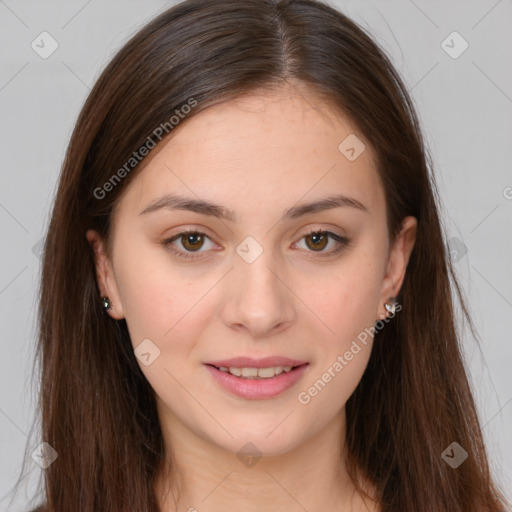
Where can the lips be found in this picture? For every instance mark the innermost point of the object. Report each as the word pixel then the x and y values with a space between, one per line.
pixel 249 362
pixel 257 388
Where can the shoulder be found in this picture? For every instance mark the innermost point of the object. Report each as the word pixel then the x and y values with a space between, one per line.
pixel 40 508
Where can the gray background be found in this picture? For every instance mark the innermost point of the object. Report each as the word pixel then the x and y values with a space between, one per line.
pixel 464 103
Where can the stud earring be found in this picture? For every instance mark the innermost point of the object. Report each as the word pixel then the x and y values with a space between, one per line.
pixel 106 304
pixel 390 305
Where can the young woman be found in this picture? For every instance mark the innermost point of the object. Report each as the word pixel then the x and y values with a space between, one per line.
pixel 245 299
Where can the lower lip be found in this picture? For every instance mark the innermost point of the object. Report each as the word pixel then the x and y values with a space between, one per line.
pixel 257 389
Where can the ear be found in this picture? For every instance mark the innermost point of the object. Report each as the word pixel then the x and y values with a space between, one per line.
pixel 105 275
pixel 397 263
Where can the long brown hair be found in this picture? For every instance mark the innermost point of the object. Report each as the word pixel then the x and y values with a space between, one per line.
pixel 98 411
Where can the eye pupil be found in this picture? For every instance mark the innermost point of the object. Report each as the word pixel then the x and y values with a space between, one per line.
pixel 317 237
pixel 189 238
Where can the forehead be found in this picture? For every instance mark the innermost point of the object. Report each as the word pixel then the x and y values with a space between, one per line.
pixel 259 150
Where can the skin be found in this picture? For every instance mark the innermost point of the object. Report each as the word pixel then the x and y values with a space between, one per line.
pixel 258 156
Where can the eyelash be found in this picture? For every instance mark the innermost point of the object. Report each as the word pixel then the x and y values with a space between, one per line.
pixel 342 243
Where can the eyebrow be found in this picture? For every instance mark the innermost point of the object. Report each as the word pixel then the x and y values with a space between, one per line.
pixel 202 207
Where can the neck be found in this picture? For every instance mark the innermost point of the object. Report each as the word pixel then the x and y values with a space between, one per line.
pixel 206 477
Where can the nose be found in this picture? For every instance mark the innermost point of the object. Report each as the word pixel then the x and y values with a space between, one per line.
pixel 258 298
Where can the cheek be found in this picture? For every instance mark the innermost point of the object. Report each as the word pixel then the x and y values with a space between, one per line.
pixel 348 299
pixel 325 393
pixel 347 304
pixel 349 308
pixel 170 311
pixel 160 300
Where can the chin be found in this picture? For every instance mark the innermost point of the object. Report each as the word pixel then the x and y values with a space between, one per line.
pixel 269 442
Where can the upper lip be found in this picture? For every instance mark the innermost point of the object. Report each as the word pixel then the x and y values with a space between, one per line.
pixel 249 362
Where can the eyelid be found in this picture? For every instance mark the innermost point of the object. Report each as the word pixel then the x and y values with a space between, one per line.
pixel 168 243
pixel 342 242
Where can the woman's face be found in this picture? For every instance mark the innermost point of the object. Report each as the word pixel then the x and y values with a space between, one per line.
pixel 255 283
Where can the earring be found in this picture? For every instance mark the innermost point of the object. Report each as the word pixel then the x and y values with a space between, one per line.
pixel 390 305
pixel 106 304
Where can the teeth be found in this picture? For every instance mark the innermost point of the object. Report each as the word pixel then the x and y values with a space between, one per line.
pixel 254 373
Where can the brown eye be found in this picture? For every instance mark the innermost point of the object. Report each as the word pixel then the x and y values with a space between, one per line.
pixel 318 240
pixel 192 241
pixel 316 243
